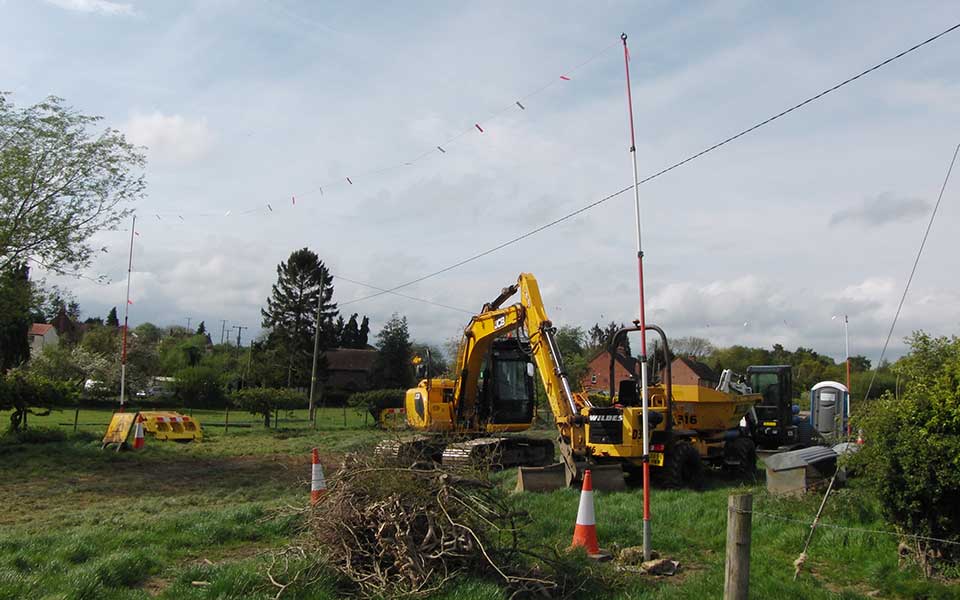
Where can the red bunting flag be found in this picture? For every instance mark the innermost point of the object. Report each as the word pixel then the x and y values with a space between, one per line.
pixel 565 78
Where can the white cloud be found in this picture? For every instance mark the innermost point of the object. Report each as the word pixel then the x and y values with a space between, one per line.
pixel 104 7
pixel 170 137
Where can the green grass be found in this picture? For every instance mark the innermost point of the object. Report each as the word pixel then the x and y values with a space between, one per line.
pixel 78 522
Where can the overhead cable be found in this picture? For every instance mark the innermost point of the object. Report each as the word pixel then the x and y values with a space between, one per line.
pixel 664 171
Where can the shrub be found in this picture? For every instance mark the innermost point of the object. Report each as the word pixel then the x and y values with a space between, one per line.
pixel 263 401
pixel 376 400
pixel 913 445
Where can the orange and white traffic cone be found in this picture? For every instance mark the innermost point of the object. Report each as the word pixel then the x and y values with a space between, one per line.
pixel 138 439
pixel 859 437
pixel 317 484
pixel 585 533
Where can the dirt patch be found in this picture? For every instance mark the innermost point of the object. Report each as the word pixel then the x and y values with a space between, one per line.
pixel 97 483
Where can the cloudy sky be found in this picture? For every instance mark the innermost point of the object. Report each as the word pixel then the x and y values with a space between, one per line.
pixel 247 104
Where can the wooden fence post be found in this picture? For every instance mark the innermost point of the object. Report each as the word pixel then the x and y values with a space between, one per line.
pixel 226 420
pixel 736 579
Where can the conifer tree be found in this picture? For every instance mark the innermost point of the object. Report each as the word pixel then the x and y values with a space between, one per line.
pixel 112 320
pixel 291 312
pixel 202 328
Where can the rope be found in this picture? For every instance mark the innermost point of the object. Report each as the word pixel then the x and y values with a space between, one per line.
pixel 916 261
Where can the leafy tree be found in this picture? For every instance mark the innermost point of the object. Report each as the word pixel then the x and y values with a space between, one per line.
pixel 696 347
pixel 571 342
pixel 24 393
pixel 264 401
pixel 291 312
pixel 104 341
pixel 61 181
pixel 147 333
pixel 913 445
pixel 392 368
pixel 14 317
pixel 859 363
pixel 93 321
pixel 71 365
pixel 202 328
pixel 199 387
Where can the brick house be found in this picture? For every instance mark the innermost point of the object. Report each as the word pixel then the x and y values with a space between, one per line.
pixel 349 369
pixel 596 380
pixel 687 371
pixel 42 334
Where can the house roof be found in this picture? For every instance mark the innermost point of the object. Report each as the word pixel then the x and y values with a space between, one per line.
pixel 701 370
pixel 350 359
pixel 627 362
pixel 40 329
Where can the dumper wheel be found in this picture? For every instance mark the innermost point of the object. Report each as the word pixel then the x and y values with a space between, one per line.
pixel 682 467
pixel 743 452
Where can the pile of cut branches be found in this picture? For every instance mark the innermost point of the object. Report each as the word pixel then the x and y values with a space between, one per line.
pixel 396 531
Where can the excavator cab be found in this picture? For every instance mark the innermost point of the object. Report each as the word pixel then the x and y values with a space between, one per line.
pixel 774 425
pixel 507 393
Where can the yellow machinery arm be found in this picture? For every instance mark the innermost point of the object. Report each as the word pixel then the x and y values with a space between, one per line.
pixel 493 322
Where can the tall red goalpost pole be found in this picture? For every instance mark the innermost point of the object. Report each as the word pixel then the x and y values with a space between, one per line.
pixel 643 316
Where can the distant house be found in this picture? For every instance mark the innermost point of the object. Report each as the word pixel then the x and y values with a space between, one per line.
pixel 41 335
pixel 687 371
pixel 597 378
pixel 349 369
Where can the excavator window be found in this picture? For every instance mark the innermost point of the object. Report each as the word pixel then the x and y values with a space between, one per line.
pixel 627 394
pixel 508 390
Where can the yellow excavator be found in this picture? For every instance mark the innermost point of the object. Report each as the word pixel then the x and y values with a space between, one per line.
pixel 470 419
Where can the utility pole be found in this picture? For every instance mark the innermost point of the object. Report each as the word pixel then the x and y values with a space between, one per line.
pixel 240 329
pixel 316 350
pixel 188 322
pixel 223 329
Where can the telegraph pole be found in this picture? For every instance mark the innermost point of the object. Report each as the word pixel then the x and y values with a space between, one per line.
pixel 188 322
pixel 316 350
pixel 240 329
pixel 223 329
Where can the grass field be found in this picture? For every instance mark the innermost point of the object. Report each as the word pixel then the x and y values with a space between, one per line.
pixel 78 522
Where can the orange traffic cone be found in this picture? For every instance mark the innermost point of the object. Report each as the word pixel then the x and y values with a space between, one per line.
pixel 138 439
pixel 585 533
pixel 317 484
pixel 859 437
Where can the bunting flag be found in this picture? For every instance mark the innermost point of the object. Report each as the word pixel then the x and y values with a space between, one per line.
pixel 477 125
pixel 565 78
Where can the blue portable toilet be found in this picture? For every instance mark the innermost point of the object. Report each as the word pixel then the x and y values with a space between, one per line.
pixel 829 406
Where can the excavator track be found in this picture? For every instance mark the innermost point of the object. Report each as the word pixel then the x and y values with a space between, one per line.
pixel 408 450
pixel 498 453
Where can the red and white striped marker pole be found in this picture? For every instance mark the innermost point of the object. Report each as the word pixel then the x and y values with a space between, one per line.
pixel 585 532
pixel 317 484
pixel 138 439
pixel 644 392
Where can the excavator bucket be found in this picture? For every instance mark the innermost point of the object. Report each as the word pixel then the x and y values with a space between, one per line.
pixel 541 479
pixel 607 478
